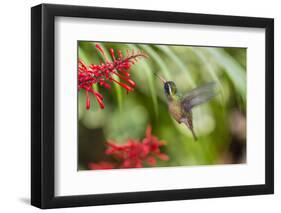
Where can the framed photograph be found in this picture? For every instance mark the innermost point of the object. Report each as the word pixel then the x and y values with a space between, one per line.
pixel 140 106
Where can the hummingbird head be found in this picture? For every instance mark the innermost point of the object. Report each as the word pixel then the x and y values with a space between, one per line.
pixel 170 88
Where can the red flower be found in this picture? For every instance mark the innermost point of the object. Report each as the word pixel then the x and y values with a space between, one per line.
pixel 154 144
pixel 101 165
pixel 103 74
pixel 133 154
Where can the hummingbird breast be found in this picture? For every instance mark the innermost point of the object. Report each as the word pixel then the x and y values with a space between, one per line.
pixel 175 110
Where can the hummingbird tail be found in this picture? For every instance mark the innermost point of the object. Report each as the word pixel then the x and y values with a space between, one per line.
pixel 193 134
pixel 188 123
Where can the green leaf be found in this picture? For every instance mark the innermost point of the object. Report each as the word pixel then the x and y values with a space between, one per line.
pixel 146 68
pixel 155 56
pixel 232 68
pixel 182 67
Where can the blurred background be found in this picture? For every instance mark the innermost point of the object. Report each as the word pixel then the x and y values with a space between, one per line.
pixel 220 124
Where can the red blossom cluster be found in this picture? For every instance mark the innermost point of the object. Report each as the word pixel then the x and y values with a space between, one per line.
pixel 103 74
pixel 133 154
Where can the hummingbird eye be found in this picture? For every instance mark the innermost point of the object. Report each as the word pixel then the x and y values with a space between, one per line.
pixel 168 88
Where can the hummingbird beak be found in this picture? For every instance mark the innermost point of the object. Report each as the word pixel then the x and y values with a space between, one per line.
pixel 161 78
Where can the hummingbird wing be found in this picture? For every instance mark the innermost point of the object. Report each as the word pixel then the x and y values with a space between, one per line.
pixel 198 96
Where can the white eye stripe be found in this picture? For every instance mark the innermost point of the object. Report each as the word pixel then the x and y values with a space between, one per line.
pixel 170 89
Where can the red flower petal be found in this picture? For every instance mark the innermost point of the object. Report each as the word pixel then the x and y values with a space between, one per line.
pixel 101 165
pixel 128 88
pixel 120 54
pixel 148 131
pixel 88 101
pixel 126 73
pixel 99 98
pixel 100 49
pixel 112 53
pixel 151 161
pixel 162 156
pixel 138 164
pixel 131 82
pixel 126 164
pixel 100 102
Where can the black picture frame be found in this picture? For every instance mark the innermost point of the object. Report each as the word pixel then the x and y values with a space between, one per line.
pixel 43 110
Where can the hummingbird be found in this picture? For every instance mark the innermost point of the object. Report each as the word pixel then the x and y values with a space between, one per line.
pixel 180 106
